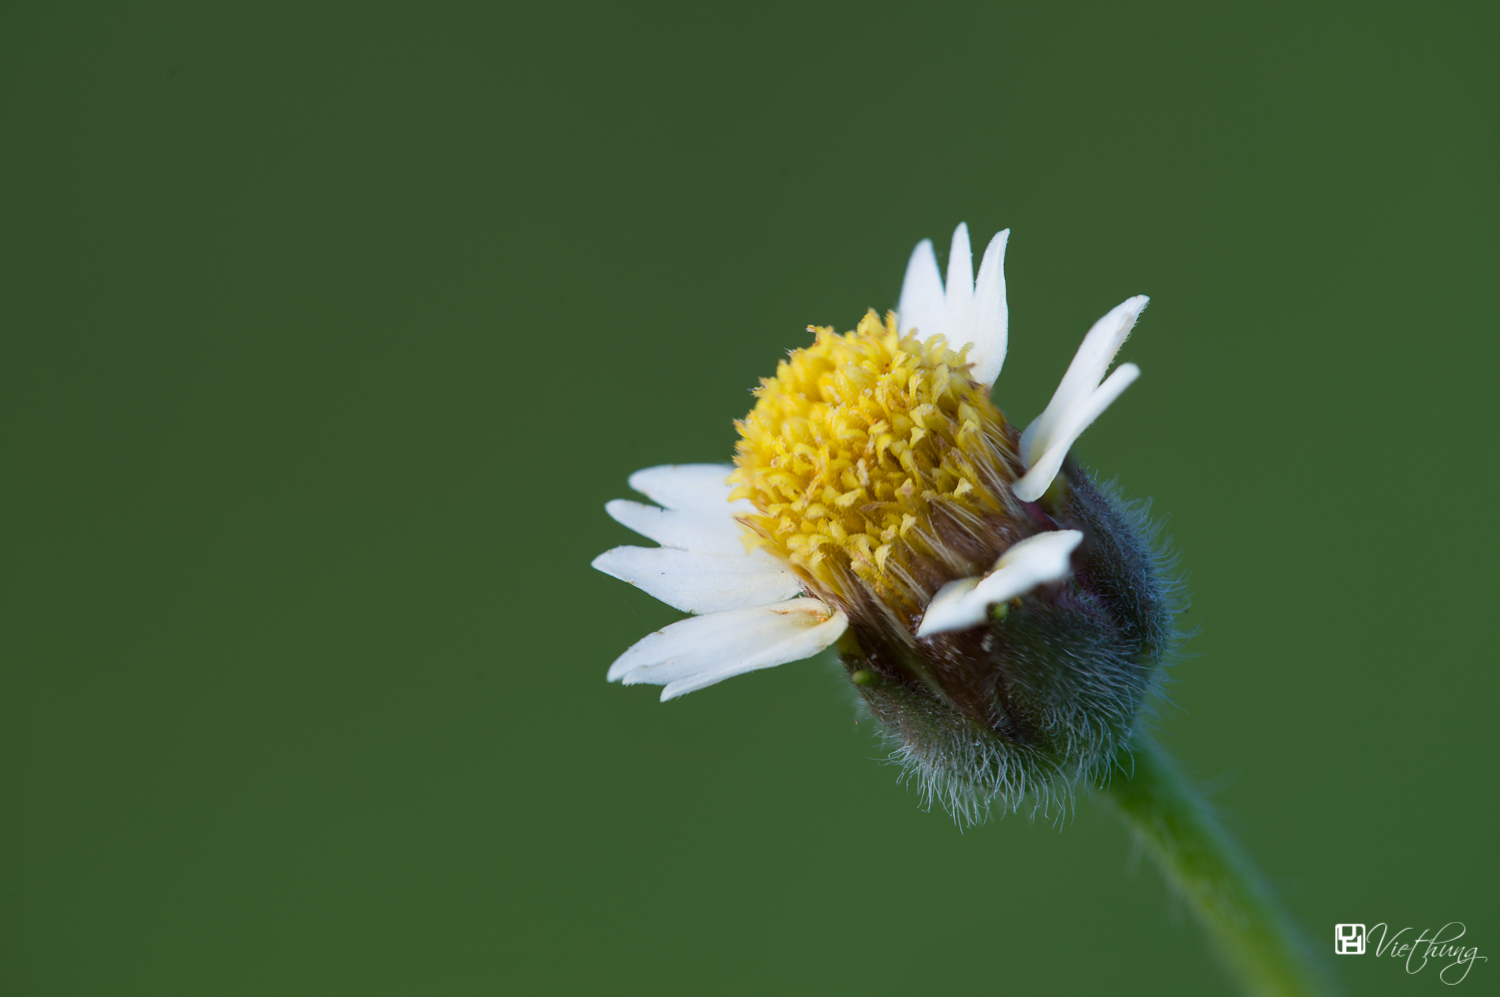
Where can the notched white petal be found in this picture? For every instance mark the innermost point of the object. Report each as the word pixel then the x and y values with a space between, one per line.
pixel 701 582
pixel 699 487
pixel 1037 560
pixel 991 314
pixel 1093 358
pixel 1034 561
pixel 717 533
pixel 922 303
pixel 958 311
pixel 1036 481
pixel 698 652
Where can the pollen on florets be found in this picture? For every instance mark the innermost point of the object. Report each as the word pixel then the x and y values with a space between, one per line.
pixel 876 465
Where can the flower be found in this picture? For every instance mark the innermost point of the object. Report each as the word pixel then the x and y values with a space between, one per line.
pixel 1001 614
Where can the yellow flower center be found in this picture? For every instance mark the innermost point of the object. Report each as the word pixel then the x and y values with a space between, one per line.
pixel 877 466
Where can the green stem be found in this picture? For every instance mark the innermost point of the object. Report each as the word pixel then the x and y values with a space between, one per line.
pixel 1204 865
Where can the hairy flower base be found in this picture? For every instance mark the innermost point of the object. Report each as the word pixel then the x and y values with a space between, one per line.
pixel 1049 689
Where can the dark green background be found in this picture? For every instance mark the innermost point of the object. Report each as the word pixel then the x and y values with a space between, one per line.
pixel 328 332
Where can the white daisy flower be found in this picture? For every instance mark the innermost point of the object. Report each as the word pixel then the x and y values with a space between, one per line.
pixel 1003 617
pixel 875 479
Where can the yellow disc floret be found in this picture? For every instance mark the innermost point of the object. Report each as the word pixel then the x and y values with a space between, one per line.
pixel 877 466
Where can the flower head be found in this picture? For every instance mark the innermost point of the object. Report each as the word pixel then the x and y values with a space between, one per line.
pixel 1001 615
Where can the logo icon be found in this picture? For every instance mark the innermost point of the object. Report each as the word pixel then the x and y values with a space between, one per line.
pixel 1349 939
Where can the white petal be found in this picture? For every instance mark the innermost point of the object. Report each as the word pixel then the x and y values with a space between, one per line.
pixel 685 486
pixel 991 314
pixel 1037 480
pixel 698 652
pixel 699 582
pixel 951 609
pixel 922 304
pixel 716 533
pixel 804 633
pixel 958 323
pixel 1034 561
pixel 1093 358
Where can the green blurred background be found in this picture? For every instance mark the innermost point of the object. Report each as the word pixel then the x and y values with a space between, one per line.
pixel 329 330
